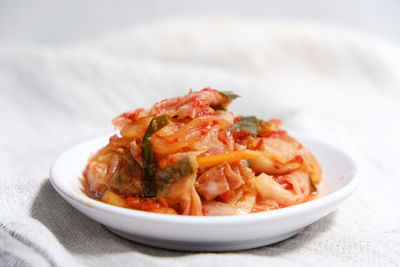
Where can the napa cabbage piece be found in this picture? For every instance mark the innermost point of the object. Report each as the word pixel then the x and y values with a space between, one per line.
pixel 200 134
pixel 268 188
pixel 193 105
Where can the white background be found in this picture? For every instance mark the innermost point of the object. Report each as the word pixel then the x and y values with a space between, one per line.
pixel 61 22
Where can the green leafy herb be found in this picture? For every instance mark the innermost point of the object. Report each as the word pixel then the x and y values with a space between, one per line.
pixel 312 183
pixel 172 173
pixel 118 178
pixel 230 95
pixel 249 124
pixel 149 166
pixel 219 107
pixel 225 101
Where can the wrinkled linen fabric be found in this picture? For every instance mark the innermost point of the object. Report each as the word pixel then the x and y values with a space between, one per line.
pixel 343 87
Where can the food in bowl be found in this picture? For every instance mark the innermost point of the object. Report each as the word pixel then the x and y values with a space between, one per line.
pixel 190 156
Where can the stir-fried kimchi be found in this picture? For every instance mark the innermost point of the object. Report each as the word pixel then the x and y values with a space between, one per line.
pixel 190 156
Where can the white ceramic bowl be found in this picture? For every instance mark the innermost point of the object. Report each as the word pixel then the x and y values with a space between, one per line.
pixel 208 233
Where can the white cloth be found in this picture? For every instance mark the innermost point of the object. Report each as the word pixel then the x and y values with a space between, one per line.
pixel 341 86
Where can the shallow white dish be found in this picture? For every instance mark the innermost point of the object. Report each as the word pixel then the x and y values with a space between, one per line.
pixel 221 233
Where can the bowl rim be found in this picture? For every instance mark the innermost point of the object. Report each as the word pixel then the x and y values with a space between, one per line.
pixel 320 202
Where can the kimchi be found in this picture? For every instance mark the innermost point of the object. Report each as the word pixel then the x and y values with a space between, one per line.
pixel 190 156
